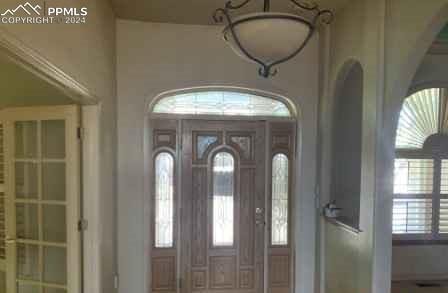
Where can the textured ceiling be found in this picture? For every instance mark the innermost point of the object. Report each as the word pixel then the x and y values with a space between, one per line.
pixel 19 87
pixel 196 11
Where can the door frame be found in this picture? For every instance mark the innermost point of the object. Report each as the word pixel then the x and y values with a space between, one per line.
pixel 29 59
pixel 148 173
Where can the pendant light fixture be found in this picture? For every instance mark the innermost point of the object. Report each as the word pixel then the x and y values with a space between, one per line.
pixel 270 38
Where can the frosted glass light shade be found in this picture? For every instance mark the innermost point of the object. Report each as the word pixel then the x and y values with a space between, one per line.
pixel 268 36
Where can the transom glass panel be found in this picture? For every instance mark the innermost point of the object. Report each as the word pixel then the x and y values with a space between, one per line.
pixel 280 192
pixel 164 202
pixel 221 103
pixel 223 197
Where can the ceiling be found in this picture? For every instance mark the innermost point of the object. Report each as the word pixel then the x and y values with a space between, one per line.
pixel 19 87
pixel 197 11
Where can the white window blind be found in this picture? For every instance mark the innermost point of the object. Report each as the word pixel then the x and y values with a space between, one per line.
pixel 413 176
pixel 444 178
pixel 413 204
pixel 412 216
pixel 443 216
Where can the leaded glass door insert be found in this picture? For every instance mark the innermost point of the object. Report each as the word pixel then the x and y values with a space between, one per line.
pixel 42 239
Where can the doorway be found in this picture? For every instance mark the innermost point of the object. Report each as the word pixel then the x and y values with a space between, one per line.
pixel 222 206
pixel 41 206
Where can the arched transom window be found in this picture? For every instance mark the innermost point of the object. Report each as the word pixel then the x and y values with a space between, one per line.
pixel 221 103
pixel 420 210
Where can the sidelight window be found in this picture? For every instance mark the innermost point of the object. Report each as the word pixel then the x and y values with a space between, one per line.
pixel 280 196
pixel 223 198
pixel 164 200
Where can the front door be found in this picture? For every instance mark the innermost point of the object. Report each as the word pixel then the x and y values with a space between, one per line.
pixel 221 206
pixel 223 225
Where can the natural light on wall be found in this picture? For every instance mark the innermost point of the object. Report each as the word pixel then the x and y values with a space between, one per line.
pixel 221 103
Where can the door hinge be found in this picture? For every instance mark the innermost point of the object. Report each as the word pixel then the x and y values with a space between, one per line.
pixel 116 282
pixel 82 225
pixel 80 133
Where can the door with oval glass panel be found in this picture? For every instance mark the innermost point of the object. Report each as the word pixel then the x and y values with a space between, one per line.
pixel 42 155
pixel 213 183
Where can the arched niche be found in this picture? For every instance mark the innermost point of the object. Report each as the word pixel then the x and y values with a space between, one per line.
pixel 347 143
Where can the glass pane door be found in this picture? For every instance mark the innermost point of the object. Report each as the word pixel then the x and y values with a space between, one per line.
pixel 42 211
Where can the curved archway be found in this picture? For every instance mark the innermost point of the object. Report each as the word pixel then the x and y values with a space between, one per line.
pixel 398 87
pixel 347 142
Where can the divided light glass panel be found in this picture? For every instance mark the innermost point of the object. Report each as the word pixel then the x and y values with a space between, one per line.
pixel 419 118
pixel 221 103
pixel 223 197
pixel 164 201
pixel 40 206
pixel 280 192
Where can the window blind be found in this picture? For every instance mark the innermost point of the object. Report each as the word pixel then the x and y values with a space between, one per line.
pixel 412 216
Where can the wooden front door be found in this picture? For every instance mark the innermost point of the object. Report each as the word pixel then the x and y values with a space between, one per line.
pixel 222 220
pixel 221 206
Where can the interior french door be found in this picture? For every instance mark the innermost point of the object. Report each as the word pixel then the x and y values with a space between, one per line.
pixel 42 156
pixel 221 216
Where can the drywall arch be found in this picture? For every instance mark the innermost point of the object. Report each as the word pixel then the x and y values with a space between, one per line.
pixel 398 83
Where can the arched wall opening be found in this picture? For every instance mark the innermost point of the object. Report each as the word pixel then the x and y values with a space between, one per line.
pixel 398 87
pixel 345 187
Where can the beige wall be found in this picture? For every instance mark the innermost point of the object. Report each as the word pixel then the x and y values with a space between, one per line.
pixel 86 52
pixel 153 58
pixel 346 257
